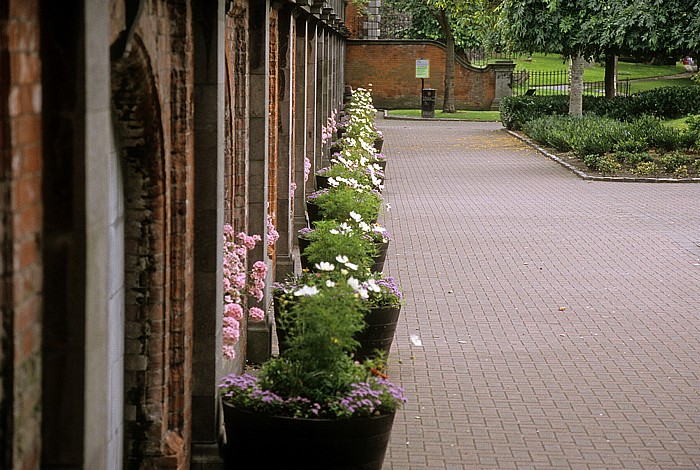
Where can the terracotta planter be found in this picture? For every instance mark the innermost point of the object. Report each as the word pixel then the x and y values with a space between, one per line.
pixel 281 442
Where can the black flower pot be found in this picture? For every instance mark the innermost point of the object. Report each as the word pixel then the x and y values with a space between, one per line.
pixel 378 334
pixel 322 182
pixel 381 257
pixel 312 212
pixel 378 144
pixel 296 443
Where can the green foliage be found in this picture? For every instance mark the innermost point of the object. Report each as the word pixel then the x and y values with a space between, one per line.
pixel 667 102
pixel 633 158
pixel 331 239
pixel 646 169
pixel 633 145
pixel 607 164
pixel 472 22
pixel 337 203
pixel 319 333
pixel 587 135
pixel 673 161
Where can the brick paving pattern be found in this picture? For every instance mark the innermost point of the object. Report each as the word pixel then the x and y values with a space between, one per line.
pixel 555 322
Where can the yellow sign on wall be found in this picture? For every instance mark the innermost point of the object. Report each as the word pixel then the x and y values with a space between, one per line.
pixel 422 68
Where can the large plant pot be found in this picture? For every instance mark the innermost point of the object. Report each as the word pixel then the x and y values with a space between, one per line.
pixel 303 243
pixel 381 257
pixel 379 332
pixel 312 213
pixel 321 182
pixel 378 144
pixel 280 442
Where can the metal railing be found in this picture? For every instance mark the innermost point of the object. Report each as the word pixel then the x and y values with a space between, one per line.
pixel 524 82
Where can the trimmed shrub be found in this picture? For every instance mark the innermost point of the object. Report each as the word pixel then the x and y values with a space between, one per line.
pixel 666 102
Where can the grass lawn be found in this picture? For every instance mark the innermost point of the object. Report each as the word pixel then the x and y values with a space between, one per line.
pixel 459 115
pixel 643 85
pixel 596 73
pixel 680 123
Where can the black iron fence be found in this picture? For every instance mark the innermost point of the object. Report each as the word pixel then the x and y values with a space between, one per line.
pixel 524 82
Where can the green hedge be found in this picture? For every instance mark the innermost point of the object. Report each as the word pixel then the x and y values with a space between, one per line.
pixel 665 103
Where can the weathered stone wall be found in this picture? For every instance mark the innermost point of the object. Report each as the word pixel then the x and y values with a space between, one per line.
pixel 390 66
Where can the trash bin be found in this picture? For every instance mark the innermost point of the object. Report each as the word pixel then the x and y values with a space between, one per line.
pixel 427 103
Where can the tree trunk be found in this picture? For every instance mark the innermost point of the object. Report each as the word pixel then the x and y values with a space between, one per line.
pixel 610 75
pixel 448 104
pixel 576 85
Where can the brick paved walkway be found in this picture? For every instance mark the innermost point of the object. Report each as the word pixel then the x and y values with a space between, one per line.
pixel 559 319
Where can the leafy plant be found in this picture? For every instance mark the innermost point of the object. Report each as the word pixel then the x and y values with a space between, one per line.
pixel 673 161
pixel 330 240
pixel 316 375
pixel 337 203
pixel 646 169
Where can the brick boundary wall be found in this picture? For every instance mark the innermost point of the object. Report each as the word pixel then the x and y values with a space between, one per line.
pixel 389 65
pixel 20 229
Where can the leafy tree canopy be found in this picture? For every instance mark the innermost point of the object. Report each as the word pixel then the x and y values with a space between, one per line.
pixel 472 21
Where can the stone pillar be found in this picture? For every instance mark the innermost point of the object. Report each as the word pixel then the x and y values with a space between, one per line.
pixel 285 161
pixel 503 70
pixel 259 333
pixel 208 29
pixel 311 99
pixel 300 121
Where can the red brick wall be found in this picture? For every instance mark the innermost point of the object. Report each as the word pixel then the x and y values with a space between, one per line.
pixel 20 228
pixel 153 101
pixel 390 67
pixel 273 124
pixel 236 135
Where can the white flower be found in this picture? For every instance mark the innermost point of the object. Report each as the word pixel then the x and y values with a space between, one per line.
pixel 330 283
pixel 332 181
pixel 351 266
pixel 364 226
pixel 373 286
pixel 325 266
pixel 353 283
pixel 388 206
pixel 356 217
pixel 342 259
pixel 307 291
pixel 334 231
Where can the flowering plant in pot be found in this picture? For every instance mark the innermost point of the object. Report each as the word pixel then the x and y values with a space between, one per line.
pixel 336 203
pixel 329 238
pixel 321 408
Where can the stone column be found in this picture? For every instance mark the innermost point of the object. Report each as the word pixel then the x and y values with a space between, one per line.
pixel 300 121
pixel 259 333
pixel 311 99
pixel 286 78
pixel 504 72
pixel 208 29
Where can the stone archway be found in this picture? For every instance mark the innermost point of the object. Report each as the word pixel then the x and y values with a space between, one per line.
pixel 154 343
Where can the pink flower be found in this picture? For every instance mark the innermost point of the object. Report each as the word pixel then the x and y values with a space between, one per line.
pixel 234 311
pixel 229 352
pixel 307 168
pixel 256 314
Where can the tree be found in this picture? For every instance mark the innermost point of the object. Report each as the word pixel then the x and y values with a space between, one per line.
pixel 592 28
pixel 459 23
